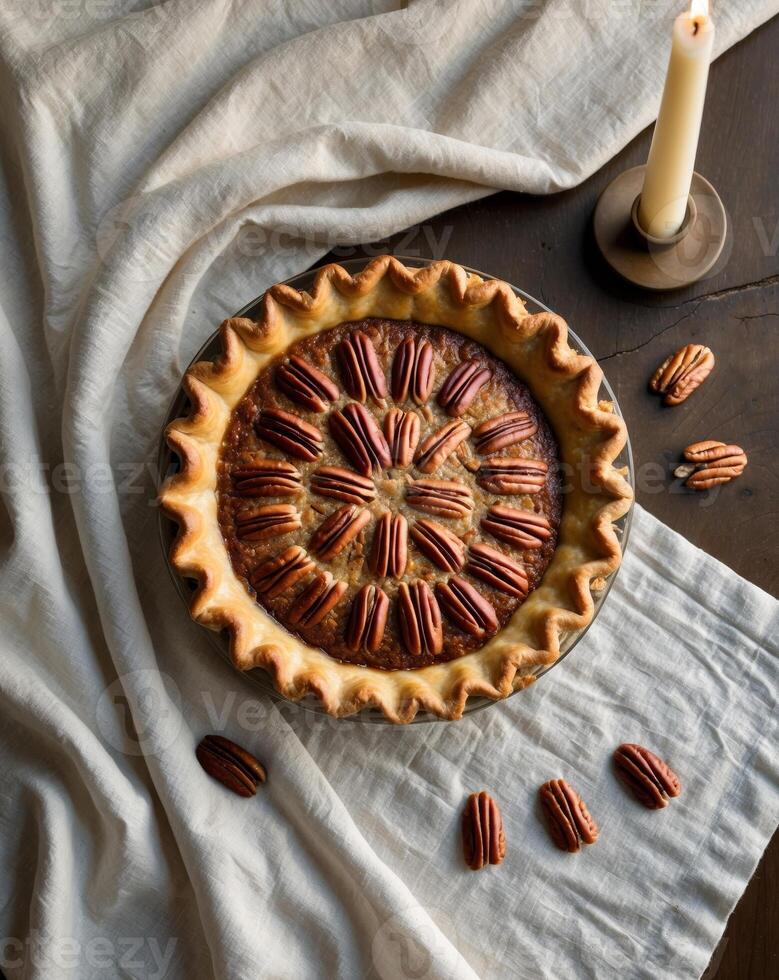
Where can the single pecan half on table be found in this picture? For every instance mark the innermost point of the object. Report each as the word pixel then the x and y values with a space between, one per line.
pixel 648 778
pixel 681 373
pixel 484 840
pixel 710 463
pixel 234 767
pixel 567 817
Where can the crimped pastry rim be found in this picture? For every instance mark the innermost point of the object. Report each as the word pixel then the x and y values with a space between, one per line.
pixel 487 311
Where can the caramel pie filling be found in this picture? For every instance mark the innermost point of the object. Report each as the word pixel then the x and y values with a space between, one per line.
pixel 390 492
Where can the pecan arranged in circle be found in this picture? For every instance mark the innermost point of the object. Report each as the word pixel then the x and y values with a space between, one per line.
pixel 521 529
pixel 467 607
pixel 367 619
pixel 270 520
pixel 338 530
pixel 234 767
pixel 341 484
pixel 275 575
pixel 438 446
pixel 401 430
pixel 361 440
pixel 323 595
pixel 420 619
pixel 710 463
pixel 462 386
pixel 413 371
pixel 444 498
pixel 439 544
pixel 681 373
pixel 497 570
pixel 306 385
pixel 290 433
pixel 567 817
pixel 484 840
pixel 503 431
pixel 648 778
pixel 389 554
pixel 362 374
pixel 512 475
pixel 260 477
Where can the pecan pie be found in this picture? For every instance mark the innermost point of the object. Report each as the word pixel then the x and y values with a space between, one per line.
pixel 396 491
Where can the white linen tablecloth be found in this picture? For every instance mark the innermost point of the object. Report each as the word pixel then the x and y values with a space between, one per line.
pixel 161 165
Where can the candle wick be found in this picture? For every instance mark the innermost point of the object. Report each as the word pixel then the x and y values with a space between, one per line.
pixel 695 27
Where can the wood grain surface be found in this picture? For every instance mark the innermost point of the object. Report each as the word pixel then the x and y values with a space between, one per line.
pixel 544 245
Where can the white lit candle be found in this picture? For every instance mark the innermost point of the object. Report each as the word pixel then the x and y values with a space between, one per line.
pixel 674 144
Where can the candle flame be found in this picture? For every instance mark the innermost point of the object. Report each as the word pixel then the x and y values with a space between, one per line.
pixel 699 8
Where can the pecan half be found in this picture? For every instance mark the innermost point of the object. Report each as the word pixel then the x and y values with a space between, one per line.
pixel 484 840
pixel 311 607
pixel 271 520
pixel 260 477
pixel 567 817
pixel 360 439
pixel 234 767
pixel 463 385
pixel 420 619
pixel 444 498
pixel 467 607
pixel 681 373
pixel 712 463
pixel 505 430
pixel 439 445
pixel 338 530
pixel 288 432
pixel 305 384
pixel 402 433
pixel 439 544
pixel 512 475
pixel 275 575
pixel 334 481
pixel 389 554
pixel 520 528
pixel 413 371
pixel 648 778
pixel 497 570
pixel 367 619
pixel 362 374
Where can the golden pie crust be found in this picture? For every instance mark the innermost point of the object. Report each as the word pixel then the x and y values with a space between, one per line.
pixel 565 386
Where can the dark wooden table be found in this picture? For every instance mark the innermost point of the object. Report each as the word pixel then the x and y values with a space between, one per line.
pixel 544 245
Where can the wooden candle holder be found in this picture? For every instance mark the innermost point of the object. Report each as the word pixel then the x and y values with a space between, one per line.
pixel 659 263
